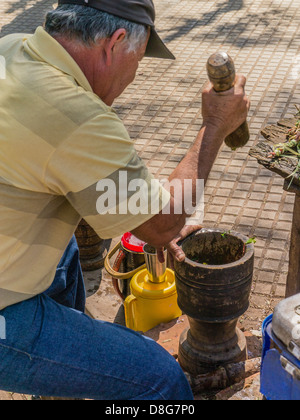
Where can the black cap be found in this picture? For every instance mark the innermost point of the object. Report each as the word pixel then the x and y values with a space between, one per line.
pixel 138 11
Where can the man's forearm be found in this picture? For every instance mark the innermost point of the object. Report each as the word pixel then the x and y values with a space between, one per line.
pixel 198 163
pixel 222 114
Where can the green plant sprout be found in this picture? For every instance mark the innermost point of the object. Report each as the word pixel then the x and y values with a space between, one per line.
pixel 225 233
pixel 291 147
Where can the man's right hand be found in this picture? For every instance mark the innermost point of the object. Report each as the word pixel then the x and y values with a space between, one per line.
pixel 227 110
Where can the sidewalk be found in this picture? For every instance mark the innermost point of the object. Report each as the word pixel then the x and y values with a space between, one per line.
pixel 161 110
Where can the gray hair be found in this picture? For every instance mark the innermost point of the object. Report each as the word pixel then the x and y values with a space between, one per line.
pixel 88 25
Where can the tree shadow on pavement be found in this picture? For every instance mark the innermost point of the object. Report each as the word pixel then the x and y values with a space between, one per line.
pixel 234 31
pixel 206 19
pixel 27 20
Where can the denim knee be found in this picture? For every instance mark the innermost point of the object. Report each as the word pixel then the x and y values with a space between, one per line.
pixel 172 383
pixel 179 385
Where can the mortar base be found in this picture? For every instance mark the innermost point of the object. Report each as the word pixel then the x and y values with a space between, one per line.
pixel 197 362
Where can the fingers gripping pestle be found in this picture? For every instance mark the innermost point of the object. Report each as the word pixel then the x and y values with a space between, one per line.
pixel 221 73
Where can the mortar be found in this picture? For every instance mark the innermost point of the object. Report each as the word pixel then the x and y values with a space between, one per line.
pixel 213 286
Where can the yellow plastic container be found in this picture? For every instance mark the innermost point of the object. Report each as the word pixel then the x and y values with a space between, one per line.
pixel 151 304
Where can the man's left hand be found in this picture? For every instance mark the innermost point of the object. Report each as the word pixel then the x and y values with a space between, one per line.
pixel 174 250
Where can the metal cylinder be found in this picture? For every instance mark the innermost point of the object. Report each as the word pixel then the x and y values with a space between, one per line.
pixel 221 73
pixel 156 270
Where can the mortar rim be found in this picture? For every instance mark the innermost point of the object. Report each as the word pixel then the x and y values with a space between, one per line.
pixel 249 250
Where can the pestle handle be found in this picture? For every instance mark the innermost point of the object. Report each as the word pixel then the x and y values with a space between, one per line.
pixel 221 73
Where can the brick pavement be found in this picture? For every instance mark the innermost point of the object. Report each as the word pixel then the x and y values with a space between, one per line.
pixel 161 110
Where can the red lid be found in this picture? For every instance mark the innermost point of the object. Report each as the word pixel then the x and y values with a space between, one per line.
pixel 130 242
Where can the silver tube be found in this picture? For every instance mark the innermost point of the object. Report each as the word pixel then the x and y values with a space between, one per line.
pixel 156 270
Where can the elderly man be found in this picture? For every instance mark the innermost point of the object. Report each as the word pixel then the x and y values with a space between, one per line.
pixel 59 137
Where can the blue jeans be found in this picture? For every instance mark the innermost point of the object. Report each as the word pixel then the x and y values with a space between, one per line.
pixel 53 349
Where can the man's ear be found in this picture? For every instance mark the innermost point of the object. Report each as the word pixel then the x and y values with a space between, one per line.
pixel 113 42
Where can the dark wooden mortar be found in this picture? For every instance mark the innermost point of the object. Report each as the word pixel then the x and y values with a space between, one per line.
pixel 213 286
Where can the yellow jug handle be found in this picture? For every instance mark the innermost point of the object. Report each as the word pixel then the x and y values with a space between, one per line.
pixel 116 274
pixel 129 312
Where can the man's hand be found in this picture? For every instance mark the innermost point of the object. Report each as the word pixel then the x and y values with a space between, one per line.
pixel 225 110
pixel 174 250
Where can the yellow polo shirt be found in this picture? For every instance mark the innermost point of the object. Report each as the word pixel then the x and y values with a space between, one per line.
pixel 64 155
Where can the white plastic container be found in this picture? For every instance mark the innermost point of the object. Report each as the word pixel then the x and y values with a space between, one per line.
pixel 286 324
pixel 280 370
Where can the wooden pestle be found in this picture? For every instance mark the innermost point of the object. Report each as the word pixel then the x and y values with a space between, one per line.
pixel 221 73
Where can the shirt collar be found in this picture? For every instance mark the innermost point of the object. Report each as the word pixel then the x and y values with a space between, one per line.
pixel 43 47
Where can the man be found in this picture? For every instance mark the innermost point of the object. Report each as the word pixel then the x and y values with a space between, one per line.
pixel 59 137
